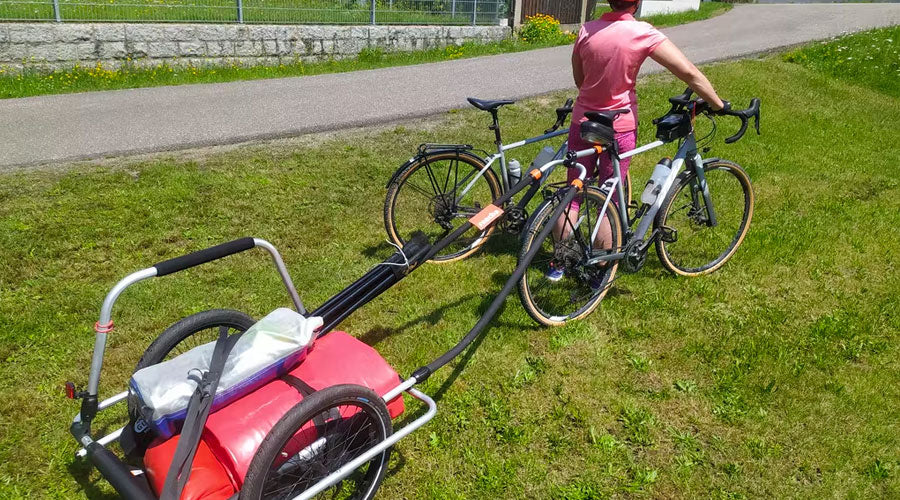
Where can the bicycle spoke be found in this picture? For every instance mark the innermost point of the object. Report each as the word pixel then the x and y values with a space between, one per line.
pixel 428 196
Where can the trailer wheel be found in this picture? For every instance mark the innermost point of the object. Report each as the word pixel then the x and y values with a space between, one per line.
pixel 319 435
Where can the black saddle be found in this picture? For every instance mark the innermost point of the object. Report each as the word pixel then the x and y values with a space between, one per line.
pixel 488 105
pixel 605 117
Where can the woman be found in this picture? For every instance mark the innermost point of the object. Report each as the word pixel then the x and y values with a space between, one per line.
pixel 606 59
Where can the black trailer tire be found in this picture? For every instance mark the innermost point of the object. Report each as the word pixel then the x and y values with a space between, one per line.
pixel 341 440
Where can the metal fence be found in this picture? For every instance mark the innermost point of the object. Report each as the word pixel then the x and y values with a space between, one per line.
pixel 435 12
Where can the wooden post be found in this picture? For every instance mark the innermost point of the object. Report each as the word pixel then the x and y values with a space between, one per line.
pixel 517 14
pixel 584 4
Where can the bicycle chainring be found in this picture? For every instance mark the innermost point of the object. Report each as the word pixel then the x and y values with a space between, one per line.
pixel 514 220
pixel 635 256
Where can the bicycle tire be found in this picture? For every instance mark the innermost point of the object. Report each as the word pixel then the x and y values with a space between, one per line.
pixel 186 334
pixel 422 213
pixel 290 459
pixel 537 294
pixel 733 205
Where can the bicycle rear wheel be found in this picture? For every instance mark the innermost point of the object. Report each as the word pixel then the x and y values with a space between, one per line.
pixel 428 196
pixel 582 286
pixel 691 246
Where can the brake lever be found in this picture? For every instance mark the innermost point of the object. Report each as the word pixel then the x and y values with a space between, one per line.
pixel 561 114
pixel 755 104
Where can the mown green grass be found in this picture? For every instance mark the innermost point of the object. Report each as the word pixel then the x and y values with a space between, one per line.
pixel 36 81
pixel 776 377
pixel 870 58
pixel 706 11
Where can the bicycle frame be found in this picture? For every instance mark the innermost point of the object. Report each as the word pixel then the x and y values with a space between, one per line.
pixel 501 155
pixel 687 153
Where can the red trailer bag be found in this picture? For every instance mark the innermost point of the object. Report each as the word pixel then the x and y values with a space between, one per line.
pixel 233 433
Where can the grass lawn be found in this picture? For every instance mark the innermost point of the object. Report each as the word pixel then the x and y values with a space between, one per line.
pixel 776 377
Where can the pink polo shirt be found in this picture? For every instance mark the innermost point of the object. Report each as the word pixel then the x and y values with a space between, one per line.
pixel 612 50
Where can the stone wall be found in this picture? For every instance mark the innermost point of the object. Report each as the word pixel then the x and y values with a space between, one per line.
pixel 64 45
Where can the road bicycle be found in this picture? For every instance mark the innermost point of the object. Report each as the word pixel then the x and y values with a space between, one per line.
pixel 696 212
pixel 445 184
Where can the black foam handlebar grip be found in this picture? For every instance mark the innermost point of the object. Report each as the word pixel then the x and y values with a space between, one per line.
pixel 203 256
pixel 118 474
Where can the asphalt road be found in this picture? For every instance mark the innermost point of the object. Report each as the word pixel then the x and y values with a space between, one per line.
pixel 58 128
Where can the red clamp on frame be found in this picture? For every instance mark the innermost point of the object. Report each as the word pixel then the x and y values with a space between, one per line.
pixel 104 328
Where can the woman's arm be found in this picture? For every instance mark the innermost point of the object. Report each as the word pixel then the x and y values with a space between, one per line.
pixel 577 69
pixel 670 57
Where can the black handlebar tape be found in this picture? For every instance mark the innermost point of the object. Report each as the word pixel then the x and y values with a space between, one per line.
pixel 203 256
pixel 744 115
pixel 740 133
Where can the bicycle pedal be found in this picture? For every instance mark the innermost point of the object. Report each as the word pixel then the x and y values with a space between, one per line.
pixel 668 234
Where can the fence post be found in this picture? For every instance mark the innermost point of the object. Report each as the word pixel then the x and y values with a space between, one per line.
pixel 517 14
pixel 453 8
pixel 56 14
pixel 240 11
pixel 474 11
pixel 372 13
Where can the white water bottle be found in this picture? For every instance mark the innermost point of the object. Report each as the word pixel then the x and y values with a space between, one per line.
pixel 654 185
pixel 543 157
pixel 514 169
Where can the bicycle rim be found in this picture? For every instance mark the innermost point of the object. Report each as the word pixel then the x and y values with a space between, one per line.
pixel 700 248
pixel 581 287
pixel 430 196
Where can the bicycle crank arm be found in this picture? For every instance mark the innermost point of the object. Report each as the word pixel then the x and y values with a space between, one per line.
pixel 605 258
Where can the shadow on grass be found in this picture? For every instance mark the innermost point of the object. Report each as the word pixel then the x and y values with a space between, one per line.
pixel 80 469
pixel 382 248
pixel 375 335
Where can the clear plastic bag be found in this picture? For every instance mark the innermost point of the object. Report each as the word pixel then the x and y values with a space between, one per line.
pixel 268 349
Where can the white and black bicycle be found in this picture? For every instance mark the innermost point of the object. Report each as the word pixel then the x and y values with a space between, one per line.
pixel 443 185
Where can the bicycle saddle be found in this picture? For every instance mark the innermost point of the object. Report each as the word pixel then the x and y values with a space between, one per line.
pixel 487 105
pixel 605 117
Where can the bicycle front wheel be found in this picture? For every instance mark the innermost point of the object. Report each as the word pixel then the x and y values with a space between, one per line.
pixel 691 244
pixel 561 284
pixel 436 194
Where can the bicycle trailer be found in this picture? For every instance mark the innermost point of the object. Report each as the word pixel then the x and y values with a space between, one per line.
pixel 223 407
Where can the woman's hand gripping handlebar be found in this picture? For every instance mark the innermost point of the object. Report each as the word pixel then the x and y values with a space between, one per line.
pixel 683 102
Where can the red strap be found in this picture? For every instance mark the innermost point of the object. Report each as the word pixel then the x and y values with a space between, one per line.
pixel 103 328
